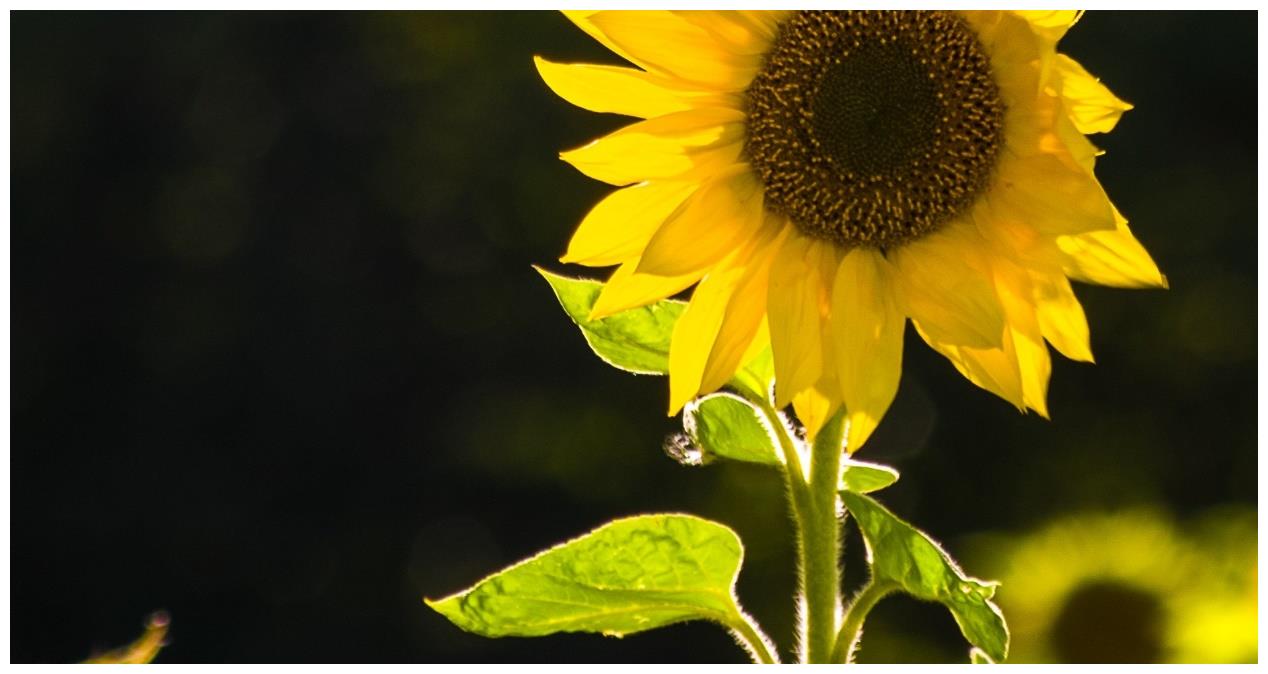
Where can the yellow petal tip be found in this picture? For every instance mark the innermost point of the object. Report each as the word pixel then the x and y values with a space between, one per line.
pixel 782 397
pixel 858 429
pixel 602 310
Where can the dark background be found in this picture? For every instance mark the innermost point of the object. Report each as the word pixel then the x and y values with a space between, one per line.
pixel 281 366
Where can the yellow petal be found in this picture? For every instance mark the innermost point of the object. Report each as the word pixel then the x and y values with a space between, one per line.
pixel 1016 239
pixel 736 31
pixel 662 147
pixel 1048 26
pixel 620 225
pixel 744 316
pixel 815 405
pixel 583 19
pixel 1022 49
pixel 1112 258
pixel 1041 125
pixel 1078 149
pixel 1092 106
pixel 720 322
pixel 764 22
pixel 1051 18
pixel 719 218
pixel 1014 49
pixel 696 331
pixel 794 305
pixel 1061 317
pixel 1051 195
pixel 672 45
pixel 1034 363
pixel 623 91
pixel 992 369
pixel 867 331
pixel 946 286
pixel 627 289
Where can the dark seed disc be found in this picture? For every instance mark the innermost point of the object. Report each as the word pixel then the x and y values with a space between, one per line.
pixel 873 128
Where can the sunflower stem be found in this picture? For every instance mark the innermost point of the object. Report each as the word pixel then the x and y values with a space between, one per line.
pixel 787 446
pixel 821 544
pixel 814 503
pixel 798 495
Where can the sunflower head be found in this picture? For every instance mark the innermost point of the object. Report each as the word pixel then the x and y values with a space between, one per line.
pixel 893 129
pixel 824 177
pixel 1130 586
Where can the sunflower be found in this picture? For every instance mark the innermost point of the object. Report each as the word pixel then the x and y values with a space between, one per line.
pixel 1130 586
pixel 821 177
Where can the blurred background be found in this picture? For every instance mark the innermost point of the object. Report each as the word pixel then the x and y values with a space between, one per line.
pixel 281 366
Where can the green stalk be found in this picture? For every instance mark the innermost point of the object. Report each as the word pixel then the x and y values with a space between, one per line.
pixel 750 636
pixel 814 500
pixel 821 544
pixel 852 627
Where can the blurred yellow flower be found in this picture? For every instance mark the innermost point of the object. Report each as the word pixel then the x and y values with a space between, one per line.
pixel 1131 587
pixel 822 176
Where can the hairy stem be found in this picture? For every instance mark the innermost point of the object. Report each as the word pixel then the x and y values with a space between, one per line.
pixel 759 646
pixel 787 446
pixel 821 544
pixel 852 627
pixel 814 499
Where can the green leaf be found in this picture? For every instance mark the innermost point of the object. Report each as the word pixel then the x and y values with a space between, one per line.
pixel 902 554
pixel 728 426
pixel 627 576
pixel 754 377
pixel 862 477
pixel 978 657
pixel 636 340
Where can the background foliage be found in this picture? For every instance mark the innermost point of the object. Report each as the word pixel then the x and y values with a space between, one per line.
pixel 281 365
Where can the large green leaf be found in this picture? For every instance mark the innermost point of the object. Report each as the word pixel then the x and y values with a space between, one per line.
pixel 862 477
pixel 636 340
pixel 901 554
pixel 627 576
pixel 727 426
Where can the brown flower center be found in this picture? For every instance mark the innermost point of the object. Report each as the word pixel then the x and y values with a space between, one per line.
pixel 873 128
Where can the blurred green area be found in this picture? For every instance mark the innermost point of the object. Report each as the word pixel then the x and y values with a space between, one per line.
pixel 281 366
